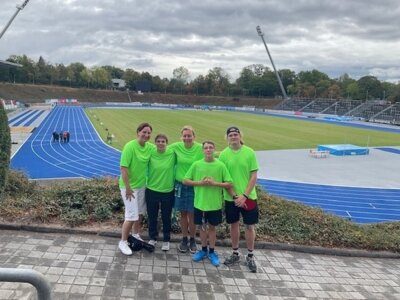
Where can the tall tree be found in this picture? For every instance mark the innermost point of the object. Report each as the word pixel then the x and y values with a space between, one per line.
pixel 5 147
pixel 370 88
pixel 180 76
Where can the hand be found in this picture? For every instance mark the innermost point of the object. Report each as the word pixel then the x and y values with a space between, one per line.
pixel 129 194
pixel 208 181
pixel 240 201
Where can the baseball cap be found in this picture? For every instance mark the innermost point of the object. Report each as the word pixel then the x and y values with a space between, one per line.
pixel 232 129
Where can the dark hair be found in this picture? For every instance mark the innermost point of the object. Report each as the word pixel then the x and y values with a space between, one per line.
pixel 142 126
pixel 208 142
pixel 161 135
pixel 232 129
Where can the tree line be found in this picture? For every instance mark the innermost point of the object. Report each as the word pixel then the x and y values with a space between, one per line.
pixel 255 80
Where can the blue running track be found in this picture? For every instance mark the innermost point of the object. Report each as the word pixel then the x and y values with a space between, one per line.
pixel 361 205
pixel 87 156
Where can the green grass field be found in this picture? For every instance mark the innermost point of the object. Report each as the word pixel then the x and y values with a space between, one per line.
pixel 260 132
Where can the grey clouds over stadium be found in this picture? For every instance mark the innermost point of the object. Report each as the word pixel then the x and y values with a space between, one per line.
pixel 339 36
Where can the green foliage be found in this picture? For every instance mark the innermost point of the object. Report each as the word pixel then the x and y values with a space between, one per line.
pixel 5 148
pixel 19 184
pixel 99 200
pixel 73 203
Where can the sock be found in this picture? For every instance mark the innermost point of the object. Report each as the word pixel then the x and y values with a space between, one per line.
pixel 191 239
pixel 235 251
pixel 250 253
pixel 204 248
pixel 211 250
pixel 185 239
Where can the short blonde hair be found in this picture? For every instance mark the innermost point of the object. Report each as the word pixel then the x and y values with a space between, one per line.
pixel 188 127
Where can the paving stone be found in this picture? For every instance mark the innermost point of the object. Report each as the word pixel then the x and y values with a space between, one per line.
pixel 91 267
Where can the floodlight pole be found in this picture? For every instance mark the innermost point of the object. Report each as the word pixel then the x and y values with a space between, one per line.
pixel 19 8
pixel 261 34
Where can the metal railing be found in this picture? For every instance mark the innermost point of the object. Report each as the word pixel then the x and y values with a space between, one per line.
pixel 28 276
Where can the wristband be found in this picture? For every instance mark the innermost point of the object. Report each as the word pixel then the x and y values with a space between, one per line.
pixel 235 197
pixel 247 197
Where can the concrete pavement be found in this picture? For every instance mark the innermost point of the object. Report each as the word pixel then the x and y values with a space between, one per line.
pixel 92 267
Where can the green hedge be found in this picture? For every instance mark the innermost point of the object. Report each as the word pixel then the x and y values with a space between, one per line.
pixel 5 148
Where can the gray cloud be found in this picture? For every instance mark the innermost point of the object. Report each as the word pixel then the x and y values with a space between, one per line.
pixel 355 37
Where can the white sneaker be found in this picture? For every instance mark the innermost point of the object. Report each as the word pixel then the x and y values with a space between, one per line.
pixel 153 242
pixel 137 236
pixel 123 246
pixel 165 246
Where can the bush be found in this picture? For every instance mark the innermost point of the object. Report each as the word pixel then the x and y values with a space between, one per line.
pixel 5 148
pixel 18 184
pixel 99 200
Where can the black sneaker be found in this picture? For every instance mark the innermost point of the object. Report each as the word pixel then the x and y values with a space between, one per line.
pixel 251 264
pixel 192 246
pixel 231 260
pixel 183 247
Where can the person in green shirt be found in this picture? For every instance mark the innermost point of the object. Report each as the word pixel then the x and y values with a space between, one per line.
pixel 132 182
pixel 187 152
pixel 241 200
pixel 160 190
pixel 209 177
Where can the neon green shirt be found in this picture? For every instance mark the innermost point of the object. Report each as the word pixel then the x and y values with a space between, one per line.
pixel 185 157
pixel 135 158
pixel 207 198
pixel 161 174
pixel 240 163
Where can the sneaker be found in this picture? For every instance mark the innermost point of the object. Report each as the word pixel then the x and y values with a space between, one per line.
pixel 183 247
pixel 199 255
pixel 123 246
pixel 214 259
pixel 251 264
pixel 137 236
pixel 165 246
pixel 192 246
pixel 231 260
pixel 153 242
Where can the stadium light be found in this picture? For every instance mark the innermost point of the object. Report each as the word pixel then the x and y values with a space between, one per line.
pixel 19 8
pixel 261 34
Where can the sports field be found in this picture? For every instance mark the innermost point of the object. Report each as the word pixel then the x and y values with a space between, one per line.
pixel 261 132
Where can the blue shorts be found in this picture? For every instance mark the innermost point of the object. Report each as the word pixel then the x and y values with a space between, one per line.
pixel 184 197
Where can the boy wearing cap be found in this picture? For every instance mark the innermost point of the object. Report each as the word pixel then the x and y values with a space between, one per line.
pixel 241 199
pixel 209 177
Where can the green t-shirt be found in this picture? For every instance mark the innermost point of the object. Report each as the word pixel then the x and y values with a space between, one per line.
pixel 240 163
pixel 161 174
pixel 135 158
pixel 185 157
pixel 207 198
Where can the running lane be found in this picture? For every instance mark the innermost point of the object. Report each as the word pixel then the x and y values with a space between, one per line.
pixel 85 156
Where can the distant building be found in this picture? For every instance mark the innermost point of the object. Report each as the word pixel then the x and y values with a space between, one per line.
pixel 118 83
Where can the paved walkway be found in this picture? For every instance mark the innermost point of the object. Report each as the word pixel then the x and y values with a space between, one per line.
pixel 92 267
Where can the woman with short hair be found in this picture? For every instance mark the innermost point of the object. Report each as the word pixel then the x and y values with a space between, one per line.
pixel 132 182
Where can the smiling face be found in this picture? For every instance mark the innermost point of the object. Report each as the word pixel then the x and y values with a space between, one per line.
pixel 144 135
pixel 208 150
pixel 187 137
pixel 161 144
pixel 234 139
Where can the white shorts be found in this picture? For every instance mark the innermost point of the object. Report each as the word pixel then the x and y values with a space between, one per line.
pixel 134 207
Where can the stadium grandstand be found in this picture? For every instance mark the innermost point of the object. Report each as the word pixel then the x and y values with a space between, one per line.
pixel 379 111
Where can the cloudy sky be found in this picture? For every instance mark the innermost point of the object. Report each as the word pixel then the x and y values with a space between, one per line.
pixel 358 37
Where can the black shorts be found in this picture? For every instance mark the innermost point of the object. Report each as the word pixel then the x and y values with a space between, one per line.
pixel 213 217
pixel 232 212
